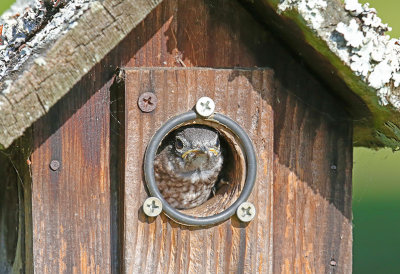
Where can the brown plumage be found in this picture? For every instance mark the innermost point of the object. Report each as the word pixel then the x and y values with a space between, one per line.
pixel 187 169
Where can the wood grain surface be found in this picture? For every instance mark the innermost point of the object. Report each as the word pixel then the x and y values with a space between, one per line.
pixel 306 223
pixel 40 85
pixel 15 208
pixel 312 231
pixel 158 245
pixel 9 213
pixel 71 205
pixel 312 182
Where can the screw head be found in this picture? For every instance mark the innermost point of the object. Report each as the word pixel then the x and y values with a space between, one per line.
pixel 333 262
pixel 205 106
pixel 246 212
pixel 147 102
pixel 54 165
pixel 152 207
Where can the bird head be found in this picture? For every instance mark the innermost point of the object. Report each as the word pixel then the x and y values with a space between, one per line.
pixel 198 147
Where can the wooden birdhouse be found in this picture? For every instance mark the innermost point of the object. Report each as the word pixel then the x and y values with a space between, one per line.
pixel 91 90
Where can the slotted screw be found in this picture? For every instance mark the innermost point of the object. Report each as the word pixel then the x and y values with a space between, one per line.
pixel 205 106
pixel 147 102
pixel 246 212
pixel 152 207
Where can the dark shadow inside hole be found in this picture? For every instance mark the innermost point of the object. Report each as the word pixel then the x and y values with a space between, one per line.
pixel 231 177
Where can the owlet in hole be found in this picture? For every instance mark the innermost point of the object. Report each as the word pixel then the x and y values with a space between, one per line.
pixel 187 169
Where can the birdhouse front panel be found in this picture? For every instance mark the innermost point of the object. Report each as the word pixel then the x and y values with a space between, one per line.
pixel 162 244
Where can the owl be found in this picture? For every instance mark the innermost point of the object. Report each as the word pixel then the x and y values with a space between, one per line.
pixel 187 168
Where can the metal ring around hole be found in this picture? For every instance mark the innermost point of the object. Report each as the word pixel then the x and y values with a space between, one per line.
pixel 251 169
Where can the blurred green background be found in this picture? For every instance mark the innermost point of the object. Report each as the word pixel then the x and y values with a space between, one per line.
pixel 376 190
pixel 376 187
pixel 5 4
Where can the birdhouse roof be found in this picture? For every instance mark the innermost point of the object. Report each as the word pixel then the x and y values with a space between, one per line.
pixel 48 46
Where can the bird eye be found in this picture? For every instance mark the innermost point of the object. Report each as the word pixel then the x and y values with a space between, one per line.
pixel 178 143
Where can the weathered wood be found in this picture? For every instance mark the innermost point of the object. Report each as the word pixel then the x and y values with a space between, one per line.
pixel 312 181
pixel 209 34
pixel 117 164
pixel 93 35
pixel 375 125
pixel 15 208
pixel 216 34
pixel 71 205
pixel 162 246
pixel 9 214
pixel 87 37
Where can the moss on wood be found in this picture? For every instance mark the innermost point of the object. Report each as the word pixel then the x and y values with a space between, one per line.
pixel 375 123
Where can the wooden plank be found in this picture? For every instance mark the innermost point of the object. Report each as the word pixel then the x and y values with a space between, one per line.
pixel 165 38
pixel 71 205
pixel 9 214
pixel 312 181
pixel 39 86
pixel 15 208
pixel 216 34
pixel 162 246
pixel 200 34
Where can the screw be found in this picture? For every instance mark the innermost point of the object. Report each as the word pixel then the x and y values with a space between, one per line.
pixel 333 167
pixel 246 212
pixel 152 207
pixel 333 262
pixel 54 165
pixel 205 106
pixel 147 102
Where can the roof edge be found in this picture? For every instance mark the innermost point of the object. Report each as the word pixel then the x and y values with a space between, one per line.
pixel 344 43
pixel 322 31
pixel 44 82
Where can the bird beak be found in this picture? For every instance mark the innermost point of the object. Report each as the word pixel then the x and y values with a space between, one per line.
pixel 195 151
pixel 213 151
pixel 199 152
